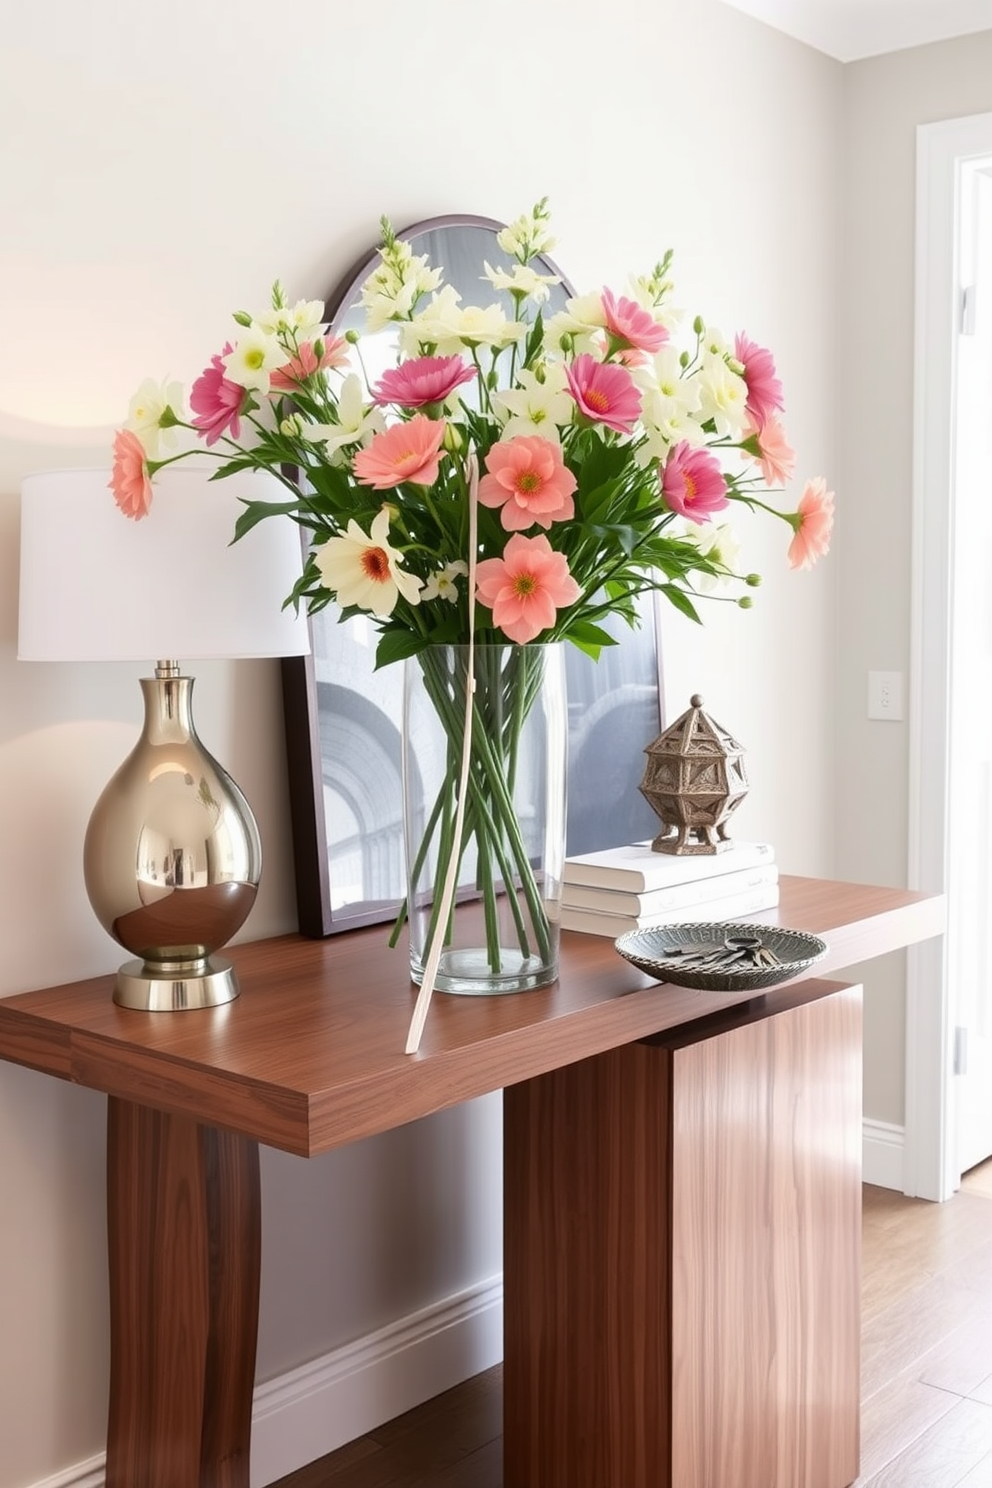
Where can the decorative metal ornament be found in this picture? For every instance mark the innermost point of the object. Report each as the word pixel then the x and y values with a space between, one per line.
pixel 694 780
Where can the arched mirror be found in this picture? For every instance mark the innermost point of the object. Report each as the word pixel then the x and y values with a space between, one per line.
pixel 343 718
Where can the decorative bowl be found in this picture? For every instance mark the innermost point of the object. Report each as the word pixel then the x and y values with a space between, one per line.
pixel 677 953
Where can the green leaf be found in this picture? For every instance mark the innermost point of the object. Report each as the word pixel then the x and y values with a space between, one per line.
pixel 257 511
pixel 681 601
pixel 535 340
pixel 589 638
pixel 397 645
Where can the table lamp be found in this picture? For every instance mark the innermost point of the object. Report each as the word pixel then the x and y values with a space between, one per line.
pixel 172 856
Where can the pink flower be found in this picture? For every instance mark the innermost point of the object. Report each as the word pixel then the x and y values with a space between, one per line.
pixel 777 458
pixel 528 478
pixel 693 483
pixel 216 400
pixel 406 452
pixel 288 378
pixel 813 523
pixel 764 391
pixel 422 380
pixel 605 393
pixel 526 587
pixel 130 481
pixel 631 325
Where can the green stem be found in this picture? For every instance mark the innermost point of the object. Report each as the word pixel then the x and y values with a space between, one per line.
pixel 506 688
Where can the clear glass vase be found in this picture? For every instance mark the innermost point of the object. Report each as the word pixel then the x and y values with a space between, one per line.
pixel 502 932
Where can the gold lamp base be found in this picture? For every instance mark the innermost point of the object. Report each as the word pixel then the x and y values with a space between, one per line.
pixel 170 988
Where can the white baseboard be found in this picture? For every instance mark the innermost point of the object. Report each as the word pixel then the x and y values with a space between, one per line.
pixel 314 1409
pixel 88 1474
pixel 882 1146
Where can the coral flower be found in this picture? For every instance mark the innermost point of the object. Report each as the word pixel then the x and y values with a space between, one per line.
pixel 362 569
pixel 288 378
pixel 217 401
pixel 604 393
pixel 776 456
pixel 406 452
pixel 130 481
pixel 693 483
pixel 813 523
pixel 528 478
pixel 526 587
pixel 631 325
pixel 764 391
pixel 422 380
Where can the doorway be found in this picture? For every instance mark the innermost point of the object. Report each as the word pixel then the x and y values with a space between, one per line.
pixel 949 1004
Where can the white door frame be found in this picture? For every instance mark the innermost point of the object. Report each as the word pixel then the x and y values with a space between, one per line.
pixel 930 1168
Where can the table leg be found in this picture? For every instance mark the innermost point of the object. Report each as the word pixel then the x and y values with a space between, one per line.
pixel 184 1240
pixel 682 1258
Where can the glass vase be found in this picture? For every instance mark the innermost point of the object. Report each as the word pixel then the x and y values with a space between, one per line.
pixel 501 934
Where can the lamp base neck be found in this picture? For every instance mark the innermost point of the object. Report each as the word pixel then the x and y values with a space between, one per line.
pixel 170 986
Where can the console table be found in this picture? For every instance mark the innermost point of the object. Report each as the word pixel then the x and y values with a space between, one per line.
pixel 682 1193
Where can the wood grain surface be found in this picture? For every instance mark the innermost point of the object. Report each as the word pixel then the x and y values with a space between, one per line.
pixel 682 1258
pixel 311 1055
pixel 184 1243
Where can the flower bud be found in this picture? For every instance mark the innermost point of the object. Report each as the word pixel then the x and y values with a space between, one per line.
pixel 745 602
pixel 753 581
pixel 292 426
pixel 243 318
pixel 699 325
pixel 352 337
pixel 453 440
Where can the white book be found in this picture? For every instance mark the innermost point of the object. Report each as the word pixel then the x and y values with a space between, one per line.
pixel 679 896
pixel 636 869
pixel 731 907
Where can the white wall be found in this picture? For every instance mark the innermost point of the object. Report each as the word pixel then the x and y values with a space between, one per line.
pixel 158 168
pixel 886 98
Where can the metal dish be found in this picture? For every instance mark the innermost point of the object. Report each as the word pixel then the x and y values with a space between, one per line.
pixel 697 955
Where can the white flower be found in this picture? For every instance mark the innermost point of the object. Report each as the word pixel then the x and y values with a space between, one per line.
pixel 522 280
pixel 720 546
pixel 144 415
pixel 395 285
pixel 256 355
pixel 723 391
pixel 357 420
pixel 300 319
pixel 579 325
pixel 528 235
pixel 658 440
pixel 534 407
pixel 668 399
pixel 441 585
pixel 449 326
pixel 363 570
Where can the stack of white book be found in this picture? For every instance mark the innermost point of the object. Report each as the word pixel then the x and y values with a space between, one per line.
pixel 633 888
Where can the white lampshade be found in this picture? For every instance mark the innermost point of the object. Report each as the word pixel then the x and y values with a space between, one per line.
pixel 97 586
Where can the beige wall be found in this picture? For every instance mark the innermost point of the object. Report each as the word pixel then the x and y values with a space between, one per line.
pixel 886 98
pixel 158 168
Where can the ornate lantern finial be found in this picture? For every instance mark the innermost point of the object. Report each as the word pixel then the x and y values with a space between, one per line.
pixel 694 780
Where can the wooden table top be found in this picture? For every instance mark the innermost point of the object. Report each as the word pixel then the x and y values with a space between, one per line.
pixel 310 1056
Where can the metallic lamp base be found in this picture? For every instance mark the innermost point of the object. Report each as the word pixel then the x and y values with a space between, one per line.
pixel 171 987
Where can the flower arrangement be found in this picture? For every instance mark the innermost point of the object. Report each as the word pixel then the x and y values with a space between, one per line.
pixel 608 458
pixel 512 478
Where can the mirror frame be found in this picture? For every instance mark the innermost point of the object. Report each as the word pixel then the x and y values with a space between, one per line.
pixel 305 758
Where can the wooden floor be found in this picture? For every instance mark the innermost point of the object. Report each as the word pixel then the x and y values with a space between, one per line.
pixel 926 1368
